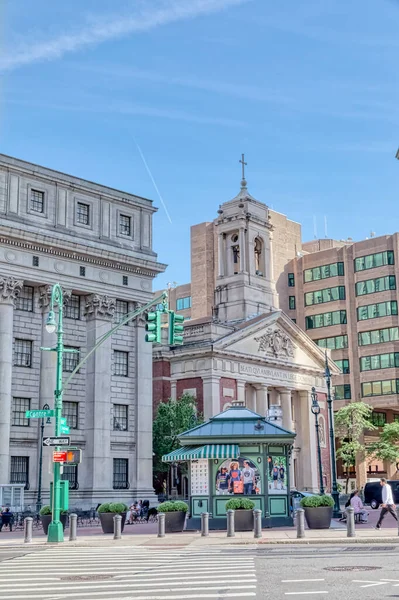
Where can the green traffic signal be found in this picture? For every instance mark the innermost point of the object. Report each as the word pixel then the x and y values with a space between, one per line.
pixel 153 326
pixel 176 329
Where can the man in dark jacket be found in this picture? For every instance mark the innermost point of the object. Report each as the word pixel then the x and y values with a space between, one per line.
pixel 7 518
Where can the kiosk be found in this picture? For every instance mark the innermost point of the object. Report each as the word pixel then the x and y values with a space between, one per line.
pixel 237 453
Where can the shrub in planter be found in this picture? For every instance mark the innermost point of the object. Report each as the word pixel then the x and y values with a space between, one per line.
pixel 318 511
pixel 45 517
pixel 175 515
pixel 107 511
pixel 243 517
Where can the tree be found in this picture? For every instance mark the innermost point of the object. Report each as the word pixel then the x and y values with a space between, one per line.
pixel 173 417
pixel 386 447
pixel 350 423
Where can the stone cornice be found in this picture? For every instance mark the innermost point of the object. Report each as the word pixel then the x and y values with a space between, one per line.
pixel 53 248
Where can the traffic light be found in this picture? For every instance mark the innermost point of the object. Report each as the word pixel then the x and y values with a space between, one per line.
pixel 175 328
pixel 153 326
pixel 74 457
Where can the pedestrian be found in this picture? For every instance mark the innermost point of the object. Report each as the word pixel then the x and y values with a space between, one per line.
pixel 248 475
pixel 7 518
pixel 358 507
pixel 387 502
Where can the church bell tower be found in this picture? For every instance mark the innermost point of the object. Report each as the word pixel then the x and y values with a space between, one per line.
pixel 245 285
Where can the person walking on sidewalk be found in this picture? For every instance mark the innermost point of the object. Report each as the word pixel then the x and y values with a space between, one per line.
pixel 387 502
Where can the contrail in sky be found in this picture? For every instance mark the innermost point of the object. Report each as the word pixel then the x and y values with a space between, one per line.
pixel 153 181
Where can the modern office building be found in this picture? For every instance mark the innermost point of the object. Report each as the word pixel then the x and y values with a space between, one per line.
pixel 97 243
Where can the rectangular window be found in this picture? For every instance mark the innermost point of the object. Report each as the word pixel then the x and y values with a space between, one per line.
pixel 82 271
pixel 72 307
pixel 396 417
pixel 83 213
pixel 291 302
pixel 326 295
pixel 291 280
pixel 120 417
pixel 125 225
pixel 121 361
pixel 333 343
pixel 121 310
pixel 22 353
pixel 343 365
pixel 379 361
pixel 378 336
pixel 70 473
pixel 70 360
pixel 19 472
pixel 125 280
pixel 337 317
pixel 25 299
pixel 35 261
pixel 19 406
pixel 36 201
pixel 183 303
pixel 121 474
pixel 374 260
pixel 342 392
pixel 70 410
pixel 374 311
pixel 380 284
pixel 324 272
pixel 380 388
pixel 378 418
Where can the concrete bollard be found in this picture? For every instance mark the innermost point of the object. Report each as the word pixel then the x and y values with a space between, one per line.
pixel 204 524
pixel 117 527
pixel 161 525
pixel 350 522
pixel 257 523
pixel 300 523
pixel 73 524
pixel 230 523
pixel 28 528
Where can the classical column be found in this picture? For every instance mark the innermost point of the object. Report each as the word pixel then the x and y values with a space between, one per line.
pixel 285 401
pixel 241 391
pixel 250 398
pixel 10 289
pixel 308 467
pixel 221 254
pixel 211 391
pixel 261 399
pixel 242 249
pixel 99 311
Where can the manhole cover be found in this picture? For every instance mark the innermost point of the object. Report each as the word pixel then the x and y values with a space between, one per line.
pixel 356 568
pixel 86 578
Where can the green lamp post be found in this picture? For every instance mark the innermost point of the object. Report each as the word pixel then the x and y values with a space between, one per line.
pixel 55 529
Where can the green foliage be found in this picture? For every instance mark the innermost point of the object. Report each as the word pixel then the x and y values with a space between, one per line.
pixel 45 510
pixel 173 417
pixel 113 507
pixel 386 447
pixel 165 507
pixel 316 501
pixel 240 504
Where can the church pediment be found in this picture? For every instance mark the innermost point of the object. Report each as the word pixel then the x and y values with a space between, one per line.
pixel 277 340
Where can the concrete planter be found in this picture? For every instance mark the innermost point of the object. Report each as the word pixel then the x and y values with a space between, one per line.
pixel 174 521
pixel 319 518
pixel 46 520
pixel 107 521
pixel 243 520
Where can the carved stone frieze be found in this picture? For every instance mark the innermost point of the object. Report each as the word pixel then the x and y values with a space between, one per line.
pixel 45 296
pixel 10 288
pixel 100 307
pixel 276 343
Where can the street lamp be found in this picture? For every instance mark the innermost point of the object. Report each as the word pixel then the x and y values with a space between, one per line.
pixel 315 408
pixel 334 490
pixel 55 529
pixel 39 485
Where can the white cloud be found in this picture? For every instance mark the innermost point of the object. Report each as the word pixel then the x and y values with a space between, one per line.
pixel 109 28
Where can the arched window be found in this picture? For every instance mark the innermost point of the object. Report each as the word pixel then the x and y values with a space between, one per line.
pixel 235 248
pixel 258 251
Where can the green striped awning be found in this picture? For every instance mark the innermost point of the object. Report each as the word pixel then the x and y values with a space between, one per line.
pixel 208 451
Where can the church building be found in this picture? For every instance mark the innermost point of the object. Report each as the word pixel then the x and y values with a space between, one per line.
pixel 239 343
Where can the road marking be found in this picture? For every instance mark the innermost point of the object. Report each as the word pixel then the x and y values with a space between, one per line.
pixel 299 580
pixel 369 583
pixel 303 593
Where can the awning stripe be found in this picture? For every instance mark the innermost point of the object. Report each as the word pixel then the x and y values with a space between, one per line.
pixel 208 451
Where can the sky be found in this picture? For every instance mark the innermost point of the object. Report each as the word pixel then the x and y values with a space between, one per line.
pixel 159 98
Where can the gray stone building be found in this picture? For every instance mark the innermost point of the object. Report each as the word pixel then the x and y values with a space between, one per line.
pixel 97 243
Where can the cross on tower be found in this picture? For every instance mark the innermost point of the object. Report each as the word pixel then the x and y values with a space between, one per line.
pixel 243 164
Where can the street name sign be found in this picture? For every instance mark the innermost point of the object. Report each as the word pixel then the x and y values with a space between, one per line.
pixel 57 441
pixel 38 414
pixel 60 456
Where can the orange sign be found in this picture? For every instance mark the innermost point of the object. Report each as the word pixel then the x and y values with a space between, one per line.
pixel 60 456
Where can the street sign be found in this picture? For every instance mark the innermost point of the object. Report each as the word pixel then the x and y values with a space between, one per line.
pixel 63 426
pixel 60 456
pixel 38 414
pixel 57 441
pixel 64 430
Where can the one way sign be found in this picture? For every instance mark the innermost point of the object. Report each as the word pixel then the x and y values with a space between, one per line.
pixel 57 441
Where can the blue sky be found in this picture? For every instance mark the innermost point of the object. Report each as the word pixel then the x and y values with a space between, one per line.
pixel 308 90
